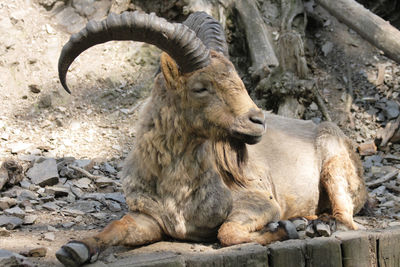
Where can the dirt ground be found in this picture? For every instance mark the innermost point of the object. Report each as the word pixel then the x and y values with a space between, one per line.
pixel 109 83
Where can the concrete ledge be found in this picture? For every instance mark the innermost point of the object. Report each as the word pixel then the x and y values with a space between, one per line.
pixel 344 249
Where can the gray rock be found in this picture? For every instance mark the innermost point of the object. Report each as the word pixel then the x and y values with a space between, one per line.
pixel 83 183
pixel 72 211
pixel 104 181
pixel 327 48
pixel 95 196
pixel 77 191
pixel 57 190
pixel 392 110
pixel 86 206
pixel 10 222
pixel 49 236
pixel 110 169
pixel 310 231
pixel 117 196
pixel 15 211
pixel 44 173
pixel 113 206
pixel 19 147
pixel 85 164
pixel 11 259
pixel 51 206
pixel 30 219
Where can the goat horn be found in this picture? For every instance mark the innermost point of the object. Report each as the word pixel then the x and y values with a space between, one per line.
pixel 176 39
pixel 209 31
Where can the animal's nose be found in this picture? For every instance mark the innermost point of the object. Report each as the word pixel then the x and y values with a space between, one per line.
pixel 256 117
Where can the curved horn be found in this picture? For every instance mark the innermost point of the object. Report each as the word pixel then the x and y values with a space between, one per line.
pixel 176 39
pixel 209 31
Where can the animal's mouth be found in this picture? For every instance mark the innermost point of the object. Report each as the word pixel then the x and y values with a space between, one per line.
pixel 247 138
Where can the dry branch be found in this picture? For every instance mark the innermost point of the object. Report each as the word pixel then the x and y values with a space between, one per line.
pixel 383 179
pixel 261 51
pixel 370 26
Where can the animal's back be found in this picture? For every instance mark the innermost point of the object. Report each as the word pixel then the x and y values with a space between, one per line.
pixel 288 149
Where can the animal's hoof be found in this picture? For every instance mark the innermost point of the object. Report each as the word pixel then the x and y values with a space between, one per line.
pixel 73 254
pixel 325 225
pixel 290 229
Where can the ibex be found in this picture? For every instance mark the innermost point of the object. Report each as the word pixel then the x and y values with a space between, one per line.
pixel 208 163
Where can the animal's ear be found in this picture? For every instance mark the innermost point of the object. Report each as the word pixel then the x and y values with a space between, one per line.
pixel 170 70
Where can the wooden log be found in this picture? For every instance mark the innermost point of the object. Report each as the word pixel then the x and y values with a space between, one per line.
pixel 389 248
pixel 323 252
pixel 358 248
pixel 370 26
pixel 261 51
pixel 289 253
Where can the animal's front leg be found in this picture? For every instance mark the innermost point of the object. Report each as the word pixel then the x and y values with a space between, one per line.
pixel 253 219
pixel 132 230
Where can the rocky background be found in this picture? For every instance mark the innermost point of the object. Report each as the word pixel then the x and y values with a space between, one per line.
pixel 60 154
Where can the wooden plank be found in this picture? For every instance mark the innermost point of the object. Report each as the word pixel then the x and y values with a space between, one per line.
pixel 323 252
pixel 358 249
pixel 289 253
pixel 389 247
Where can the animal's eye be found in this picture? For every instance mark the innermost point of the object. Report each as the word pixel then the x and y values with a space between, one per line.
pixel 200 90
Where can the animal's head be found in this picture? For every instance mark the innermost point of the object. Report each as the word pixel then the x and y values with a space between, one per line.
pixel 195 66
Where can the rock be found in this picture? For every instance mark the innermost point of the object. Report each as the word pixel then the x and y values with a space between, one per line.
pixel 85 164
pixel 110 169
pixel 37 252
pixel 77 192
pixel 49 236
pixel 19 147
pixel 68 224
pixel 104 181
pixel 15 211
pixel 30 219
pixel 83 183
pixel 86 206
pixel 47 4
pixel 113 206
pixel 72 211
pixel 6 203
pixel 51 206
pixel 45 101
pixel 392 110
pixel 57 191
pixel 11 259
pixel 10 222
pixel 34 88
pixel 117 196
pixel 26 195
pixel 327 48
pixel 367 149
pixel 313 106
pixel 44 173
pixel 70 19
pixel 4 232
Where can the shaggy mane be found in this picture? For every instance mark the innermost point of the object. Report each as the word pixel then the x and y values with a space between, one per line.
pixel 230 160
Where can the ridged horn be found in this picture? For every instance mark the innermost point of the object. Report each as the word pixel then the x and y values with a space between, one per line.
pixel 176 39
pixel 209 31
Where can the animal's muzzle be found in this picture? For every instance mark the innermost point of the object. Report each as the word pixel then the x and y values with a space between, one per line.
pixel 249 127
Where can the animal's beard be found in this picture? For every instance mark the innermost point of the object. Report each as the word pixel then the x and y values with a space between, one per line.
pixel 230 161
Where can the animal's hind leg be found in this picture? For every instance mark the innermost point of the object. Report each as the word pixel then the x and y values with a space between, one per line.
pixel 132 230
pixel 341 174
